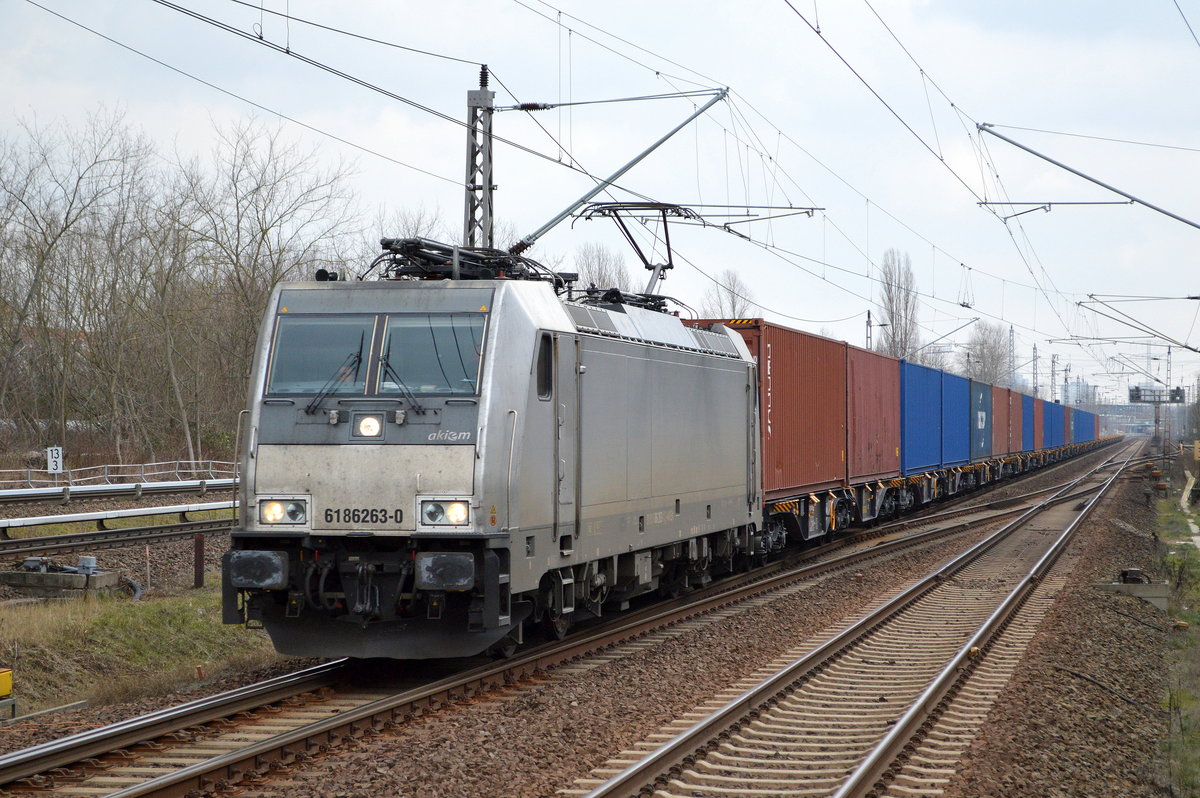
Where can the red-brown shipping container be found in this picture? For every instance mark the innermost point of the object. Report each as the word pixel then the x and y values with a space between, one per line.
pixel 1039 432
pixel 874 414
pixel 1015 421
pixel 801 406
pixel 1068 436
pixel 1096 436
pixel 1000 419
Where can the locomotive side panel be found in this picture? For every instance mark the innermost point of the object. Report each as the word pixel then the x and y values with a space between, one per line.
pixel 664 450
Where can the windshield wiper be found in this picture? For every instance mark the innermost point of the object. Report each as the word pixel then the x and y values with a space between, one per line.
pixel 385 361
pixel 348 367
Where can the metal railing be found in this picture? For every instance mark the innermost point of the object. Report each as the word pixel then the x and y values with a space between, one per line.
pixel 167 470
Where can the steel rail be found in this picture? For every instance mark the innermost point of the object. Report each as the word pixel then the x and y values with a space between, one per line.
pixel 63 752
pixel 880 759
pixel 110 538
pixel 633 779
pixel 106 515
pixel 77 747
pixel 65 493
pixel 230 767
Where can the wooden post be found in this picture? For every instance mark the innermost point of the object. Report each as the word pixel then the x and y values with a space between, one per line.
pixel 199 561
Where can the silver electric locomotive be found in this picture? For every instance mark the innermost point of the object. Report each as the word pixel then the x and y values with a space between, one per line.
pixel 438 458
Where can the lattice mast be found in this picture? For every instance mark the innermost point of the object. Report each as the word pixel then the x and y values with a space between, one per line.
pixel 478 215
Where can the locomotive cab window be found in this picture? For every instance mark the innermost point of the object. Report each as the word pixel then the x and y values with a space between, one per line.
pixel 311 353
pixel 545 366
pixel 432 353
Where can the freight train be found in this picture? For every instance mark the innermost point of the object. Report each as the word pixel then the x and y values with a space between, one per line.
pixel 439 459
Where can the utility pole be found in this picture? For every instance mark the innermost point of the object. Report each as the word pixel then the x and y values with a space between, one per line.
pixel 1053 376
pixel 478 210
pixel 1012 357
pixel 869 326
pixel 1035 374
pixel 1170 412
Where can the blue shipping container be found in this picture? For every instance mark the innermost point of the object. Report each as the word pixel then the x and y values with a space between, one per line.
pixel 1054 419
pixel 956 419
pixel 1083 426
pixel 920 418
pixel 981 420
pixel 1026 423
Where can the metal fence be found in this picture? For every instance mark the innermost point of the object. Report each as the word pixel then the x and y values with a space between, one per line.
pixel 109 474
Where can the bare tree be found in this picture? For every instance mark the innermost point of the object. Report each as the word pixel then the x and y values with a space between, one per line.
pixel 729 298
pixel 50 185
pixel 899 334
pixel 600 267
pixel 936 356
pixel 986 357
pixel 130 294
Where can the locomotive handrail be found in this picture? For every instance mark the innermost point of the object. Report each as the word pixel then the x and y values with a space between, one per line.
pixel 512 448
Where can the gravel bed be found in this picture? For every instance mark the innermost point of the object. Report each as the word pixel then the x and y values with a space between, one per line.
pixel 1055 733
pixel 52 726
pixel 543 735
pixel 159 568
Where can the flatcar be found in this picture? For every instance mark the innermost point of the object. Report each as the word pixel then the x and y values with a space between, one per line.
pixel 439 459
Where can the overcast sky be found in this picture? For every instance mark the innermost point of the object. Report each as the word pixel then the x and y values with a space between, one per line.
pixel 872 120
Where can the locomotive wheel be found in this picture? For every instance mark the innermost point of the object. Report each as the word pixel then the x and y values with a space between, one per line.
pixel 672 582
pixel 556 627
pixel 505 649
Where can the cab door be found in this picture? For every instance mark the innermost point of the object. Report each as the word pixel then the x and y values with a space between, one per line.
pixel 566 440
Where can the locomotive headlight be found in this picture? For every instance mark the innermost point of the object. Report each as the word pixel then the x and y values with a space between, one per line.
pixel 437 513
pixel 282 512
pixel 369 426
pixel 457 513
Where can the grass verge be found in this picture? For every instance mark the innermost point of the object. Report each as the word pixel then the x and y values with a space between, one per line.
pixel 1181 566
pixel 106 650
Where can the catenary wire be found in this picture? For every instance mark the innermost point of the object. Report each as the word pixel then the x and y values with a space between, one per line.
pixel 246 100
pixel 1101 138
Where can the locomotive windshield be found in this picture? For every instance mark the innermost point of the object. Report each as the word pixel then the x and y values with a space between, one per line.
pixel 311 352
pixel 432 353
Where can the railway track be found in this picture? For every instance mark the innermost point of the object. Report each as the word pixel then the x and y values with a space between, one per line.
pixel 884 706
pixel 228 738
pixel 105 537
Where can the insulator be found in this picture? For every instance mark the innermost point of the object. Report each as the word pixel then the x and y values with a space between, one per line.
pixel 483 76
